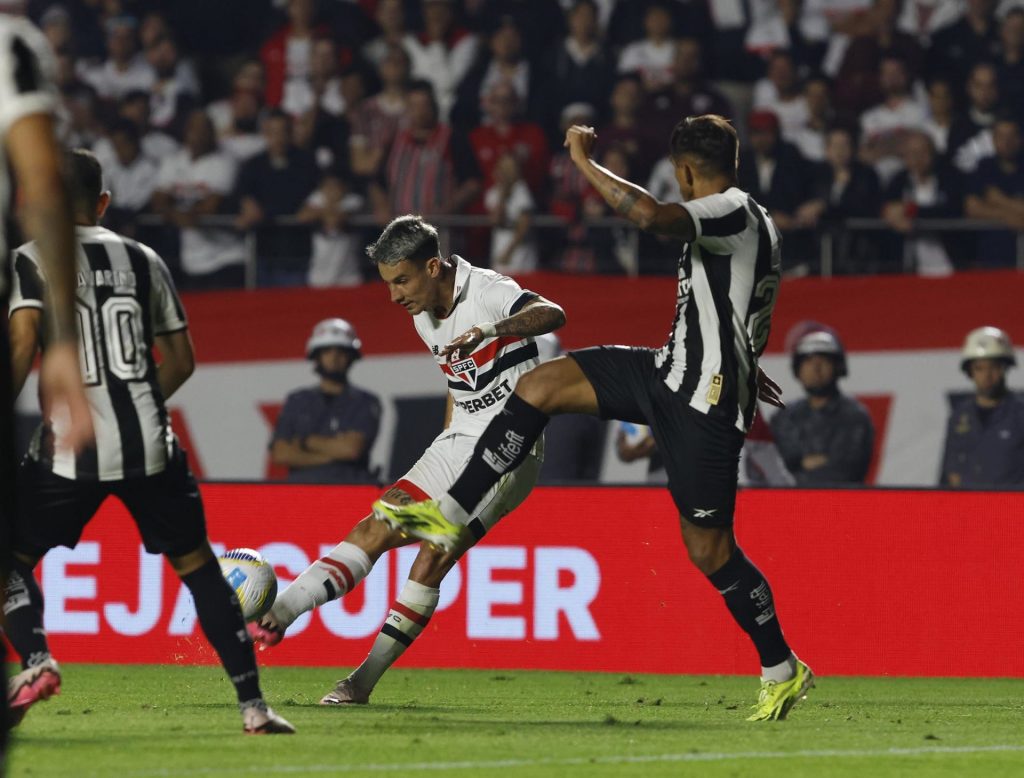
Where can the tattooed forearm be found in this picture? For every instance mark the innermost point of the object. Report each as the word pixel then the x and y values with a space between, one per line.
pixel 533 320
pixel 626 202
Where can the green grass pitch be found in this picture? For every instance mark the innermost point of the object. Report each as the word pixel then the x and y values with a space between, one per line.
pixel 156 721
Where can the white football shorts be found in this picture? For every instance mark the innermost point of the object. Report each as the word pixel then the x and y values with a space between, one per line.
pixel 443 462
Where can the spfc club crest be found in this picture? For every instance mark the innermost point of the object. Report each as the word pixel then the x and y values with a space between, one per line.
pixel 465 370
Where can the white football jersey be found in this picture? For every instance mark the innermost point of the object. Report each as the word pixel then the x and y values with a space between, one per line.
pixel 481 382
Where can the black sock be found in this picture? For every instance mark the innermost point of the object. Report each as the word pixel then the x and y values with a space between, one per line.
pixel 222 622
pixel 23 609
pixel 503 446
pixel 749 599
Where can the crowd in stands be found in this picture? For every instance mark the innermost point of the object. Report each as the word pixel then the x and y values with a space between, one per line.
pixel 337 114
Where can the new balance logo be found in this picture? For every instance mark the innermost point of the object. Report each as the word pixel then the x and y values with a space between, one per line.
pixel 704 513
pixel 501 460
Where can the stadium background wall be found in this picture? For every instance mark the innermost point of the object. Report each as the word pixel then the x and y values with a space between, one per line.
pixel 872 582
pixel 903 334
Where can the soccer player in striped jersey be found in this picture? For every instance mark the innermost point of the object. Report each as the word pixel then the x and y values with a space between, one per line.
pixel 445 296
pixel 697 393
pixel 126 304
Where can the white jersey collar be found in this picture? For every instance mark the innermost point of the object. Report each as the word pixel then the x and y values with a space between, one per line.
pixel 462 271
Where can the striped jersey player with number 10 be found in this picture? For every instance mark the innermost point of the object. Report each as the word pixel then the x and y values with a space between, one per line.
pixel 479 326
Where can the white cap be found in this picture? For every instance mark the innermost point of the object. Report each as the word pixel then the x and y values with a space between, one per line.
pixel 987 343
pixel 333 332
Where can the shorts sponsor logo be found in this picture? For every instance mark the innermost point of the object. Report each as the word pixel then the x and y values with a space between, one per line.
pixel 704 513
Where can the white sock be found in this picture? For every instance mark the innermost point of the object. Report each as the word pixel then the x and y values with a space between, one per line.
pixel 328 578
pixel 408 616
pixel 452 511
pixel 783 671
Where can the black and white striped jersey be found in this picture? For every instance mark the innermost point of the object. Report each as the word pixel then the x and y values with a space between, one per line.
pixel 728 282
pixel 26 88
pixel 124 299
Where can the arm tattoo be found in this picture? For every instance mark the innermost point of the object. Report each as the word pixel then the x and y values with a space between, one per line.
pixel 625 205
pixel 533 320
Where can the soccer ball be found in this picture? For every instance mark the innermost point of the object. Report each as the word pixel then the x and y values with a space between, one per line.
pixel 252 577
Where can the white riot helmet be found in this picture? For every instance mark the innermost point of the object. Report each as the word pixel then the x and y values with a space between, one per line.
pixel 820 342
pixel 333 332
pixel 986 343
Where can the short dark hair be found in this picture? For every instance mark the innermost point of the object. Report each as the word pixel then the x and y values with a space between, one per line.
pixel 84 180
pixel 710 141
pixel 424 86
pixel 406 237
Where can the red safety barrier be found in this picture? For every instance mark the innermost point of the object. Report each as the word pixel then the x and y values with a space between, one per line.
pixel 866 582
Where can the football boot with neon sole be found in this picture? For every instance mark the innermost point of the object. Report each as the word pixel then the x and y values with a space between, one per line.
pixel 30 686
pixel 777 698
pixel 422 520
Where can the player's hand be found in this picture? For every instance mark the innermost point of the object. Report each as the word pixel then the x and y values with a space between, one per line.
pixel 580 139
pixel 769 391
pixel 464 345
pixel 60 384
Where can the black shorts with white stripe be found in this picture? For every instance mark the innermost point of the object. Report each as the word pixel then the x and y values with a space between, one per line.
pixel 701 451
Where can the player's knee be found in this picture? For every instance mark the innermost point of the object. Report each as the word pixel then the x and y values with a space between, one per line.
pixel 538 390
pixel 708 549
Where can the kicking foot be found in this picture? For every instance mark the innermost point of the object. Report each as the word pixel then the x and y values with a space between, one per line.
pixel 422 520
pixel 30 686
pixel 345 693
pixel 266 631
pixel 778 697
pixel 260 719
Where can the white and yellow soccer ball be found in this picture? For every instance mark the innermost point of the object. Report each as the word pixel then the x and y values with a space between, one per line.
pixel 252 577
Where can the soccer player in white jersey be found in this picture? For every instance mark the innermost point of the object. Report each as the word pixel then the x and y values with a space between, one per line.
pixel 480 327
pixel 697 393
pixel 126 304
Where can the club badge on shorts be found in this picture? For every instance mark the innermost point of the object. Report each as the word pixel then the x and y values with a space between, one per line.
pixel 715 390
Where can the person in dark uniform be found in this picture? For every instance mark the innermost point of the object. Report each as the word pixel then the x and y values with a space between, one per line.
pixel 324 433
pixel 827 437
pixel 985 434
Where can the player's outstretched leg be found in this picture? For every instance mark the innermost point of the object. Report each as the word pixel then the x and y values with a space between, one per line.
pixel 409 615
pixel 785 680
pixel 40 675
pixel 222 623
pixel 328 578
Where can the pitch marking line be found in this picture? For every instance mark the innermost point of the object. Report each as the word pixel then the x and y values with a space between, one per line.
pixel 499 764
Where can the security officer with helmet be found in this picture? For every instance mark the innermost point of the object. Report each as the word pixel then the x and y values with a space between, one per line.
pixel 985 435
pixel 827 437
pixel 324 433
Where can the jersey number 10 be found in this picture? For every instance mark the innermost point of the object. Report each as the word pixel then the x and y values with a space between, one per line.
pixel 122 347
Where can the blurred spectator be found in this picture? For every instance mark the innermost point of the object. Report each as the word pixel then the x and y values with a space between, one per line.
pixel 194 183
pixel 324 134
pixel 779 92
pixel 884 127
pixel 973 38
pixel 1010 63
pixel 971 136
pixel 240 136
pixel 761 461
pixel 288 54
pixel 626 131
pixel 809 138
pixel 376 120
pixel 125 69
pixel 78 123
pixel 442 54
pixel 276 183
pixel 926 190
pixel 129 174
pixel 390 18
pixel 324 434
pixel 941 115
pixel 540 22
pixel 826 438
pixel 510 206
pixel 985 433
pixel 322 89
pixel 858 82
pixel 247 77
pixel 429 168
pixel 335 259
pixel 786 24
pixel 687 95
pixel 156 144
pixel 56 26
pixel 502 63
pixel 503 131
pixel 154 26
pixel 579 69
pixel 779 179
pixel 573 442
pixel 613 247
pixel 568 187
pixel 651 58
pixel 175 89
pixel 996 192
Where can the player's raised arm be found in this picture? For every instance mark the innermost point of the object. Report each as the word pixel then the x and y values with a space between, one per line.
pixel 629 200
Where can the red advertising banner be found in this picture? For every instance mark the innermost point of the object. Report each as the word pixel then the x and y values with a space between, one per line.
pixel 866 582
